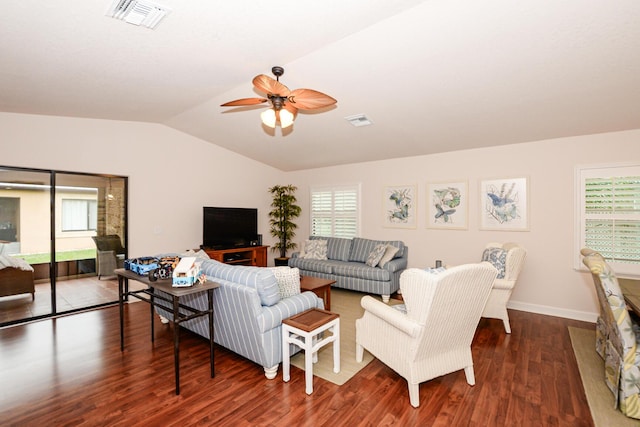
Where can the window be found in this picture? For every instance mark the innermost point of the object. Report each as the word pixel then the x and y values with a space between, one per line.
pixel 335 211
pixel 609 214
pixel 79 214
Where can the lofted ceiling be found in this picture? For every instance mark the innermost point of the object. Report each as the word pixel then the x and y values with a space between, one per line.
pixel 432 75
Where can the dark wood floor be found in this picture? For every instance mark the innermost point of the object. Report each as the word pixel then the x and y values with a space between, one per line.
pixel 70 371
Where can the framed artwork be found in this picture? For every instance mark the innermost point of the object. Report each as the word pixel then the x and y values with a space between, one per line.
pixel 399 206
pixel 504 204
pixel 447 205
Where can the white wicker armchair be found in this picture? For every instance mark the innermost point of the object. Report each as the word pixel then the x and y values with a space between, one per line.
pixel 513 259
pixel 434 337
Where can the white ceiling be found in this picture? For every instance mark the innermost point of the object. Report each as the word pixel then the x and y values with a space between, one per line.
pixel 433 75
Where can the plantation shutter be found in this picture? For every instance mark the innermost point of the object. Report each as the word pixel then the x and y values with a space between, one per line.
pixel 610 215
pixel 335 211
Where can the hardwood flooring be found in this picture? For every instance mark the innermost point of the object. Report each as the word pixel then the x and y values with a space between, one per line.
pixel 70 371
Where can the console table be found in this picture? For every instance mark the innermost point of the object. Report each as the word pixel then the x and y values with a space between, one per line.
pixel 251 255
pixel 148 295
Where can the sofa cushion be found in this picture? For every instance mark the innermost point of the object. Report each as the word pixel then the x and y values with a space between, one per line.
pixel 361 248
pixel 320 266
pixel 338 248
pixel 388 255
pixel 376 255
pixel 361 271
pixel 288 280
pixel 314 249
pixel 261 279
pixel 498 258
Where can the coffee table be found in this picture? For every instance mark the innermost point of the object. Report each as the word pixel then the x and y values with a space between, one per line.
pixel 320 287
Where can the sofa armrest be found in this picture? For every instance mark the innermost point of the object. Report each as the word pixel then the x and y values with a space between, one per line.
pixel 272 317
pixel 396 264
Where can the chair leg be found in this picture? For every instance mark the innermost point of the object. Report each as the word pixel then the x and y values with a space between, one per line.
pixel 359 353
pixel 414 394
pixel 471 378
pixel 507 326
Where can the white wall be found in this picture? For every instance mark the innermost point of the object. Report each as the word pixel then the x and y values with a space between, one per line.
pixel 548 284
pixel 171 175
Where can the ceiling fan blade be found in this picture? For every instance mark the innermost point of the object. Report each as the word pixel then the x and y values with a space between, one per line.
pixel 269 86
pixel 244 101
pixel 309 99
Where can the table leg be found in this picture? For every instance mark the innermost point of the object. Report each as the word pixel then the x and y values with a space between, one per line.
pixel 176 341
pixel 121 293
pixel 327 292
pixel 286 367
pixel 151 300
pixel 336 347
pixel 211 331
pixel 308 364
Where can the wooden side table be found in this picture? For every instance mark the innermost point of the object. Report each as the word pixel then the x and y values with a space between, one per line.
pixel 303 330
pixel 320 287
pixel 148 295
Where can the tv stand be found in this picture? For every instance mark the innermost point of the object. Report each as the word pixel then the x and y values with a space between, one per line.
pixel 250 255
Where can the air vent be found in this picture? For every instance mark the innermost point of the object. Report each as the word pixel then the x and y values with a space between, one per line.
pixel 359 120
pixel 138 12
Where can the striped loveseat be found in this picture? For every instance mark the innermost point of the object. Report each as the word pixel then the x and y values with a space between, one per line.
pixel 248 312
pixel 345 261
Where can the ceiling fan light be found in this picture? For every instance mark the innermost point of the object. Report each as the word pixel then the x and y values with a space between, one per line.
pixel 269 118
pixel 286 118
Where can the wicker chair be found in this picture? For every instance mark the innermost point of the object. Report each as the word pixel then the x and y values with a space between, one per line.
pixel 110 254
pixel 619 333
pixel 508 258
pixel 434 337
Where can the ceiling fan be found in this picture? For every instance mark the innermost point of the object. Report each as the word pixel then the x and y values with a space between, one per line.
pixel 285 103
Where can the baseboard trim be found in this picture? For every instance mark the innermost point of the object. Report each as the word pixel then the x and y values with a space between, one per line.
pixel 584 316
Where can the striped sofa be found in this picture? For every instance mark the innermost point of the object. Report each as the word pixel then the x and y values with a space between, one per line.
pixel 248 312
pixel 346 264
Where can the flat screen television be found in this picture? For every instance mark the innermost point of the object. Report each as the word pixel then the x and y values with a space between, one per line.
pixel 226 228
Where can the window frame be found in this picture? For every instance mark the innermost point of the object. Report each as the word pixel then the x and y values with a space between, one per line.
pixel 333 189
pixel 612 170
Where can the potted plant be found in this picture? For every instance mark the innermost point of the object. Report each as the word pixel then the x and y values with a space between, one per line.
pixel 284 211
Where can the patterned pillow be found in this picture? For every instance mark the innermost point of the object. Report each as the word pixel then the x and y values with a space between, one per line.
pixel 498 258
pixel 315 249
pixel 376 255
pixel 434 270
pixel 388 255
pixel 288 280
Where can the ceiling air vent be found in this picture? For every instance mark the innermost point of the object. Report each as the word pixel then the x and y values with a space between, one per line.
pixel 359 120
pixel 138 12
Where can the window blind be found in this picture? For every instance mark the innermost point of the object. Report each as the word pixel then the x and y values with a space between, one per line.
pixel 610 215
pixel 335 211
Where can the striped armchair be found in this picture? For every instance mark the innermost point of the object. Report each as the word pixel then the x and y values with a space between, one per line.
pixel 617 336
pixel 434 337
pixel 248 312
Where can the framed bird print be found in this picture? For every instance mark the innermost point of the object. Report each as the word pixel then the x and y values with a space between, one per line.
pixel 447 205
pixel 504 204
pixel 399 206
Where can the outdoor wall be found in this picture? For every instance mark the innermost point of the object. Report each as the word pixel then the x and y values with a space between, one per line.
pixel 171 175
pixel 548 284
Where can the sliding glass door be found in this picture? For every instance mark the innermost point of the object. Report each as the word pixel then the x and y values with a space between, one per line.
pixel 53 224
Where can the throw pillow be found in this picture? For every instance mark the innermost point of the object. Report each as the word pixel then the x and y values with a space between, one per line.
pixel 434 270
pixel 315 249
pixel 498 258
pixel 388 255
pixel 375 255
pixel 288 280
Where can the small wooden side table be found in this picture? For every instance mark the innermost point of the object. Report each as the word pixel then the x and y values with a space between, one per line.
pixel 320 287
pixel 303 330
